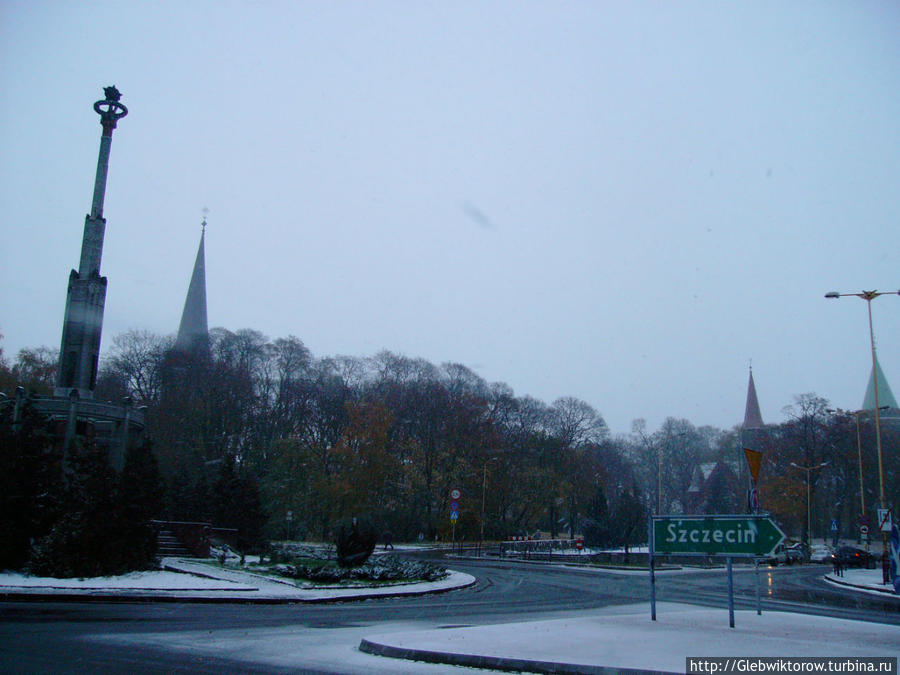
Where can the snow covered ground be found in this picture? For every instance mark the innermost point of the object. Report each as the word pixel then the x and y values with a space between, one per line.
pixel 615 637
pixel 155 580
pixel 195 579
pixel 862 580
pixel 625 637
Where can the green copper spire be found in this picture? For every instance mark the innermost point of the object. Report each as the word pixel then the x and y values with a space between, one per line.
pixel 885 395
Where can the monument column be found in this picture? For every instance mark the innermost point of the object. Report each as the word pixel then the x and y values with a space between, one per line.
pixel 79 352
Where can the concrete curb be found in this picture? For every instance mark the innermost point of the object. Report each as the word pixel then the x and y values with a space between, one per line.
pixel 830 578
pixel 211 596
pixel 496 662
pixel 145 597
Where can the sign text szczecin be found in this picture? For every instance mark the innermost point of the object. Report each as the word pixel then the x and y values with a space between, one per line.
pixel 722 535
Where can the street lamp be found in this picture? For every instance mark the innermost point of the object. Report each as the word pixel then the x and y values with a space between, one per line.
pixel 862 493
pixel 868 296
pixel 808 469
pixel 483 497
pixel 659 451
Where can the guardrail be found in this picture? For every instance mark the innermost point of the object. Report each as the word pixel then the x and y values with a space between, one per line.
pixel 536 549
pixel 195 536
pixel 540 548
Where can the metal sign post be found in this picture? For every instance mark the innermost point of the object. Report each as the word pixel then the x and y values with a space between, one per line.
pixel 895 557
pixel 652 575
pixel 756 574
pixel 730 594
pixel 730 536
pixel 454 515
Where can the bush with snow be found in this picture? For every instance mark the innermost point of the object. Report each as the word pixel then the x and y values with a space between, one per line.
pixel 292 550
pixel 382 569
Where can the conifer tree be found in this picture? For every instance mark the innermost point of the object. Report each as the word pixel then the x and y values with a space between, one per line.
pixel 30 483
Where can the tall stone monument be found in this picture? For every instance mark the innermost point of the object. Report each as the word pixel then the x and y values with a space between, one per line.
pixel 79 352
pixel 71 411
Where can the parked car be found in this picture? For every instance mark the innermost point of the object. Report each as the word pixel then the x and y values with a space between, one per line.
pixel 821 554
pixel 785 554
pixel 848 556
pixel 799 551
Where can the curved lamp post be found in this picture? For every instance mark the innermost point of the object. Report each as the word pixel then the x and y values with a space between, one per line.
pixel 808 469
pixel 483 497
pixel 869 296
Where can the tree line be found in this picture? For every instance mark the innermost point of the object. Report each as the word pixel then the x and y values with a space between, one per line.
pixel 261 435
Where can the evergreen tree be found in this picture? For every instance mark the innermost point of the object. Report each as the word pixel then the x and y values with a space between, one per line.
pixel 629 519
pixel 105 525
pixel 236 503
pixel 139 500
pixel 81 542
pixel 596 520
pixel 30 483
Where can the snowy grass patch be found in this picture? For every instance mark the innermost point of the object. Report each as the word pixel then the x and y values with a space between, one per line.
pixel 381 570
pixel 315 566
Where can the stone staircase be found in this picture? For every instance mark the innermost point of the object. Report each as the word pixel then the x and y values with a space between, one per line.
pixel 169 546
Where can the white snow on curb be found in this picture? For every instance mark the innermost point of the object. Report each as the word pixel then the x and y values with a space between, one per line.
pixel 196 579
pixel 625 637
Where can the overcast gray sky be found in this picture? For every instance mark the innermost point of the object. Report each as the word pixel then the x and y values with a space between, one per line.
pixel 624 202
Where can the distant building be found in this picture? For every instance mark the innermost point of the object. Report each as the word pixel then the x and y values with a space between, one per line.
pixel 713 488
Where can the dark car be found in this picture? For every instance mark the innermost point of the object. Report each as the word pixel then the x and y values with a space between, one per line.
pixel 848 556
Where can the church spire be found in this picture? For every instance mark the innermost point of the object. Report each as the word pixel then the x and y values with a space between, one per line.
pixel 752 438
pixel 193 332
pixel 752 415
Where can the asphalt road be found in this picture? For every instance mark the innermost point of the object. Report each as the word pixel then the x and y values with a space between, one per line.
pixel 82 637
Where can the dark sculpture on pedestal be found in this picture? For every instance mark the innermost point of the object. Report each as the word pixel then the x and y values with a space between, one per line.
pixel 355 540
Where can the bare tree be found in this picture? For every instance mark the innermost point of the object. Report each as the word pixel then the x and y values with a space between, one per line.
pixel 35 369
pixel 137 357
pixel 577 423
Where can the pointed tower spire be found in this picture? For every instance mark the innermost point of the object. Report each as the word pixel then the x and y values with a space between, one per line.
pixel 752 437
pixel 885 395
pixel 193 332
pixel 752 416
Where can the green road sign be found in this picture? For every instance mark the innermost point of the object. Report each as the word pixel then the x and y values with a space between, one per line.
pixel 724 535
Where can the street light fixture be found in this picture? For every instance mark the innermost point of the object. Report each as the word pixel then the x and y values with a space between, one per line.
pixel 868 296
pixel 659 451
pixel 808 469
pixel 483 498
pixel 862 490
pixel 862 493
